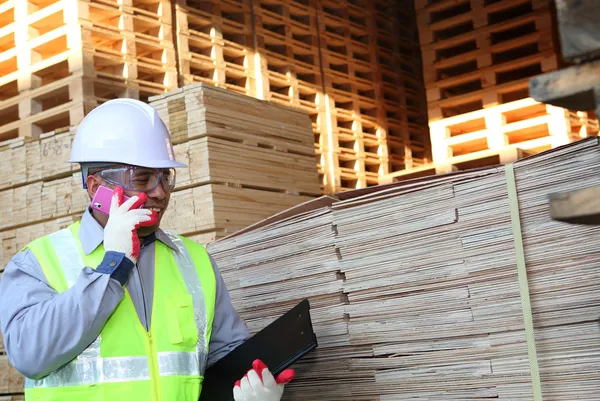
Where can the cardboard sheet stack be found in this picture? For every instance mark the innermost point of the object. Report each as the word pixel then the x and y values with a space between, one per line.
pixel 430 286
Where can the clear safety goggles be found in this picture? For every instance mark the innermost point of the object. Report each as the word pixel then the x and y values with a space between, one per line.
pixel 141 179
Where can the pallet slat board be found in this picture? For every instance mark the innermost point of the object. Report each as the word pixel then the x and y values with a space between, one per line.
pixel 431 304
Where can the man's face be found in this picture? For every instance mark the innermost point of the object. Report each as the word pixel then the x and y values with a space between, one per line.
pixel 158 197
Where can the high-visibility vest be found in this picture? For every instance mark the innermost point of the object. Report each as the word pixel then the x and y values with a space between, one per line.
pixel 127 362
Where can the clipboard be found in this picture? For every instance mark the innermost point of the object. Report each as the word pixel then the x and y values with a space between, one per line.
pixel 278 345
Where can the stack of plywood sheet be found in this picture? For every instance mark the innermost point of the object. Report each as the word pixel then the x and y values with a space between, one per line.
pixel 248 158
pixel 431 286
pixel 478 57
pixel 271 266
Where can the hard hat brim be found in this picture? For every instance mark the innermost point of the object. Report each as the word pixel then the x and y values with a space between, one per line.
pixel 145 163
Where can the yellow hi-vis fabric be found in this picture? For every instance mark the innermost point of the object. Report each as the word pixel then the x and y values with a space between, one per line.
pixel 126 362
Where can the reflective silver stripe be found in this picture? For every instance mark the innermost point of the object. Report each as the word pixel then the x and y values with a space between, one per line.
pixel 95 371
pixel 68 254
pixel 192 282
pixel 120 369
pixel 71 261
pixel 181 364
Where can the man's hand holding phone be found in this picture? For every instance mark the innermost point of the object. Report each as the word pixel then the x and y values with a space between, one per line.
pixel 125 217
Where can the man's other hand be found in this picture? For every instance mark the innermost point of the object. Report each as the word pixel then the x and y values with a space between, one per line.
pixel 260 385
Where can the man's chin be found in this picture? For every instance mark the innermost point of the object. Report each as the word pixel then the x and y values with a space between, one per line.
pixel 146 231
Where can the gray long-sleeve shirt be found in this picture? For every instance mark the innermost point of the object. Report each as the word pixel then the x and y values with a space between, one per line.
pixel 43 329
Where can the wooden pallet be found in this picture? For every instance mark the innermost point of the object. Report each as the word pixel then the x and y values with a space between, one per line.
pixel 500 44
pixel 489 87
pixel 526 124
pixel 287 52
pixel 450 19
pixel 65 68
pixel 215 44
pixel 481 54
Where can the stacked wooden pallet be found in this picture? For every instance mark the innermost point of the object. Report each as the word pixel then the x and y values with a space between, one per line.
pixel 248 158
pixel 215 43
pixel 373 91
pixel 478 58
pixel 399 61
pixel 283 51
pixel 60 58
pixel 430 290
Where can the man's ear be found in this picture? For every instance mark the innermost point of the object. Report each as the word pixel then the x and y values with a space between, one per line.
pixel 92 184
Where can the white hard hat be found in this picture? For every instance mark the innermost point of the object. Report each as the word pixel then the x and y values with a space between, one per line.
pixel 124 131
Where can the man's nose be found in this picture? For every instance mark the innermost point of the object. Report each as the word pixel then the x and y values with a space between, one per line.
pixel 158 192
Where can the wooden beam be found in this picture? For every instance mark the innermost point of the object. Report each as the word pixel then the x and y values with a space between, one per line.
pixel 574 88
pixel 576 207
pixel 578 28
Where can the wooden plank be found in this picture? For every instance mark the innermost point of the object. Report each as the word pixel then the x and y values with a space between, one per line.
pixel 218 207
pixel 571 87
pixel 577 207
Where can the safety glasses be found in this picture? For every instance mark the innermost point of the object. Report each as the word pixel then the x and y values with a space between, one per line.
pixel 139 179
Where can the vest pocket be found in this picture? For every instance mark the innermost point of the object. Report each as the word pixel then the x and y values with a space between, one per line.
pixel 180 318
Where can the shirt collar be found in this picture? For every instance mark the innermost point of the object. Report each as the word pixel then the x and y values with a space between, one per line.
pixel 91 234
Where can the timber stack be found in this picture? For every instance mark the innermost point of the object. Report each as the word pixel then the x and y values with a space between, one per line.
pixel 418 290
pixel 479 57
pixel 248 159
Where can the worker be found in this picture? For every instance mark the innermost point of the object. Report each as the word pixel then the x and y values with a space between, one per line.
pixel 113 307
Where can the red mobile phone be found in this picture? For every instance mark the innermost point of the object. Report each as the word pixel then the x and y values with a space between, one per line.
pixel 103 198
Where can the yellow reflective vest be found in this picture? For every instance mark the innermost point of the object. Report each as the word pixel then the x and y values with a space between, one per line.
pixel 127 362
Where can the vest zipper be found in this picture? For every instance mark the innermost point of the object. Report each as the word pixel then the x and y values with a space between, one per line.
pixel 153 365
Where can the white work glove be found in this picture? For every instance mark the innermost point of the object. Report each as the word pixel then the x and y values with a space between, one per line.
pixel 260 385
pixel 120 232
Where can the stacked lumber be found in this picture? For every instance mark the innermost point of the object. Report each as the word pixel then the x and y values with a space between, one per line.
pixel 61 58
pixel 478 58
pixel 430 284
pixel 241 169
pixel 248 159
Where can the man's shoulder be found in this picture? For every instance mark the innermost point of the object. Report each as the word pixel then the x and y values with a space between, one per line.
pixel 42 240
